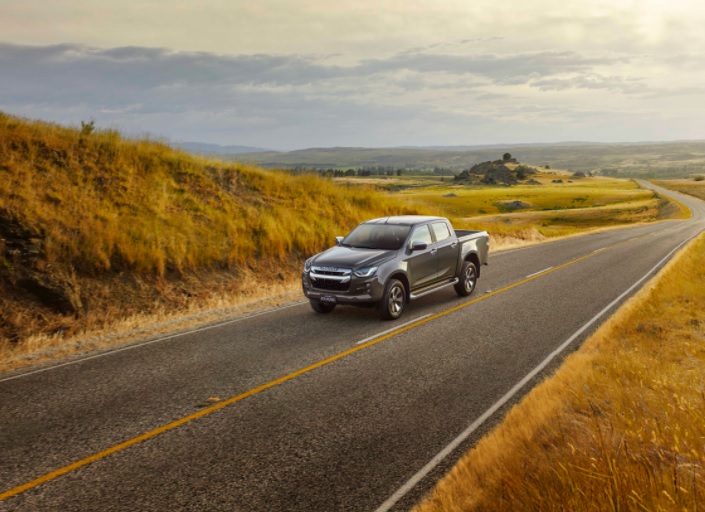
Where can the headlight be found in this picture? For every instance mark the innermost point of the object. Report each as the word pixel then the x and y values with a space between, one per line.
pixel 366 272
pixel 307 265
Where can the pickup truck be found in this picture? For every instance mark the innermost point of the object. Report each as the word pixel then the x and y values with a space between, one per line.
pixel 387 262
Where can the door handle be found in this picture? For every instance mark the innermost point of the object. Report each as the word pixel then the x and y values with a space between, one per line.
pixel 434 250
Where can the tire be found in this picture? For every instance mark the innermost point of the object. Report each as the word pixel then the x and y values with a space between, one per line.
pixel 393 300
pixel 321 307
pixel 468 279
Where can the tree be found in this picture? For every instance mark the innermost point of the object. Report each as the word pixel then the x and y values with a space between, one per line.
pixel 507 157
pixel 87 128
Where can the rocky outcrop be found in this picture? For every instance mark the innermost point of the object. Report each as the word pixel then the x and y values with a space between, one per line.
pixel 496 172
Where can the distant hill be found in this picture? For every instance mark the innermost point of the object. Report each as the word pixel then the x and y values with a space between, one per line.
pixel 645 159
pixel 203 148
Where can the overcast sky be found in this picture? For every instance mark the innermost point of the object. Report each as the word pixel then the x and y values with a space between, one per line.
pixel 318 73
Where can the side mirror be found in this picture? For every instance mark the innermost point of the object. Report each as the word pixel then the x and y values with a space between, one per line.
pixel 418 246
pixel 338 240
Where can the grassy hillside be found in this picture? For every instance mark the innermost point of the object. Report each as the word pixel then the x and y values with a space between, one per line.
pixel 94 226
pixel 694 187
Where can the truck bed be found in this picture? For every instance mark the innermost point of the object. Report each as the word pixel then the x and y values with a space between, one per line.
pixel 462 233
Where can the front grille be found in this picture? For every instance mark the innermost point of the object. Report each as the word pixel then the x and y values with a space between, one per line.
pixel 327 284
pixel 331 278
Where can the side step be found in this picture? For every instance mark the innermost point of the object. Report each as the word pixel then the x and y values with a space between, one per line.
pixel 435 288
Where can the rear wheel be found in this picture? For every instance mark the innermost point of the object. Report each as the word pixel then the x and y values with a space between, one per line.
pixel 468 279
pixel 321 307
pixel 392 304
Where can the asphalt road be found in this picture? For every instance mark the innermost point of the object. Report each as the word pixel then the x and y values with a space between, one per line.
pixel 314 412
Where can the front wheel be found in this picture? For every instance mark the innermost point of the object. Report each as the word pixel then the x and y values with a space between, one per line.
pixel 468 279
pixel 321 307
pixel 392 304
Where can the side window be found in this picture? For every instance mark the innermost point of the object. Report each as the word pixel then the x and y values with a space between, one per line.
pixel 440 229
pixel 421 234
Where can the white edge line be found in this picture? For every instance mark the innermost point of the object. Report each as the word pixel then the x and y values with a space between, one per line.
pixel 539 272
pixel 423 472
pixel 396 327
pixel 601 249
pixel 130 347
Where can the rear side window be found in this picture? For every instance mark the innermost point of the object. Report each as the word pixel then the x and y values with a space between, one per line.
pixel 440 229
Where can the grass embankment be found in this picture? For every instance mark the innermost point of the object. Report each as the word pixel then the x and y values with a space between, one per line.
pixel 620 426
pixel 95 228
pixel 685 186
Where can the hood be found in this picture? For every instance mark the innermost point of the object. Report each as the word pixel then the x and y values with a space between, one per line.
pixel 348 257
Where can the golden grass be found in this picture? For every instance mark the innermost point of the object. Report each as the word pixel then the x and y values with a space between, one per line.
pixel 121 327
pixel 689 186
pixel 102 203
pixel 620 426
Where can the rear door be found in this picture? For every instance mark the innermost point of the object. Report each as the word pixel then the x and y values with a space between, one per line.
pixel 447 246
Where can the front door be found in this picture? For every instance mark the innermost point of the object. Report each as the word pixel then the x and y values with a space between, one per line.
pixel 422 265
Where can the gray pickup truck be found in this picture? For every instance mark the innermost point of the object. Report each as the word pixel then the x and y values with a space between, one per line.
pixel 387 262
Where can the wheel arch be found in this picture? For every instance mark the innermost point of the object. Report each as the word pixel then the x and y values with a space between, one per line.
pixel 401 276
pixel 476 260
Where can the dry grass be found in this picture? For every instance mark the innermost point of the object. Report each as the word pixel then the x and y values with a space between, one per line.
pixel 620 426
pixel 105 203
pixel 121 328
pixel 685 186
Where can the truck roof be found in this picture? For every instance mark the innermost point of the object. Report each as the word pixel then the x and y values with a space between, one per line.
pixel 407 220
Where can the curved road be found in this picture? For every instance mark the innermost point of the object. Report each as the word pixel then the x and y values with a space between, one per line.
pixel 289 410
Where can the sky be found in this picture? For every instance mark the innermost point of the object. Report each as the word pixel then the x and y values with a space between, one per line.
pixel 365 73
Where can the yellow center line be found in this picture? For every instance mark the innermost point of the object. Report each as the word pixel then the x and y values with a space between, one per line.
pixel 203 412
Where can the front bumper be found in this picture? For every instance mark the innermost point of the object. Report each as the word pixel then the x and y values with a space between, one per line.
pixel 361 291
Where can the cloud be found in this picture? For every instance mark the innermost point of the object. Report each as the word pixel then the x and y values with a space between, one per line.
pixel 440 95
pixel 591 81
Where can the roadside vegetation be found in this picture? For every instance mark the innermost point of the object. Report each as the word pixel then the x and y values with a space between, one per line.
pixel 618 427
pixel 692 186
pixel 99 233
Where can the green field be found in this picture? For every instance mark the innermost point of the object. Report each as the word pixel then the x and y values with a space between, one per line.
pixel 526 213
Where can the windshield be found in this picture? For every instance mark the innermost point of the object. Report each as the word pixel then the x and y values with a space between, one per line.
pixel 388 237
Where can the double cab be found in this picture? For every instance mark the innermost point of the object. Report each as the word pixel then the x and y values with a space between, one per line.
pixel 387 262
